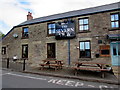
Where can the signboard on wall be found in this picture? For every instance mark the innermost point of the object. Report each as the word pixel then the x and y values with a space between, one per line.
pixel 65 30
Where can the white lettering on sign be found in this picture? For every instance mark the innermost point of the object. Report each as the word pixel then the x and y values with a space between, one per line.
pixel 78 84
pixel 61 82
pixel 52 80
pixel 70 83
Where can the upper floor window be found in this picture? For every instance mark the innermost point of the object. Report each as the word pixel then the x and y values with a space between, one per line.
pixel 3 50
pixel 25 33
pixel 51 29
pixel 85 51
pixel 83 24
pixel 115 20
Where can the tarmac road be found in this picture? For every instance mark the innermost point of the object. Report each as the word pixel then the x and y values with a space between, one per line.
pixel 22 80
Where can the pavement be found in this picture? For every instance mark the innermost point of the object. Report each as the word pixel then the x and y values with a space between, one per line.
pixel 68 72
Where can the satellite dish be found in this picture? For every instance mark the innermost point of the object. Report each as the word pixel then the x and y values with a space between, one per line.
pixel 15 35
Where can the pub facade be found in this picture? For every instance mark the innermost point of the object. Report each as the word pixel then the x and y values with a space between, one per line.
pixel 91 34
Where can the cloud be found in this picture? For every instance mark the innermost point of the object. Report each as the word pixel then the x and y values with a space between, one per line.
pixel 13 12
pixel 4 27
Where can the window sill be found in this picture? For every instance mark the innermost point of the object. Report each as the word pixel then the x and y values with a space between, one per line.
pixel 84 31
pixel 113 29
pixel 50 35
pixel 85 59
pixel 24 37
pixel 104 55
pixel 24 58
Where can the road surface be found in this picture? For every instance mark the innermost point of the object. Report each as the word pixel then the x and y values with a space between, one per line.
pixel 12 79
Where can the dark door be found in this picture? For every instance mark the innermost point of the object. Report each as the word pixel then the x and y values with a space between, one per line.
pixel 24 51
pixel 51 50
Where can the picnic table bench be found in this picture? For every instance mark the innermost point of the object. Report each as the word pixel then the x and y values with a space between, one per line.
pixel 91 66
pixel 57 64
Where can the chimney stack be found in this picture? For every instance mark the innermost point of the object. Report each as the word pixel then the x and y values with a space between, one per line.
pixel 29 16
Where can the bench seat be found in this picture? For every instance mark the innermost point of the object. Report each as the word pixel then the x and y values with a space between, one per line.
pixel 90 68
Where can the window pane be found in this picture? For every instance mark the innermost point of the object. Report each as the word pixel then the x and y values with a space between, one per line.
pixel 105 52
pixel 49 26
pixel 116 24
pixel 82 54
pixel 116 17
pixel 50 31
pixel 87 53
pixel 52 25
pixel 54 31
pixel 114 50
pixel 112 18
pixel 81 21
pixel 82 46
pixel 85 21
pixel 81 27
pixel 86 27
pixel 25 29
pixel 87 45
pixel 113 24
pixel 118 49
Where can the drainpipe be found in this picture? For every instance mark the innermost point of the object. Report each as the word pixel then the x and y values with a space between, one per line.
pixel 69 52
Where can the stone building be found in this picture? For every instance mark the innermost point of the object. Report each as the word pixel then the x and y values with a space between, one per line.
pixel 91 34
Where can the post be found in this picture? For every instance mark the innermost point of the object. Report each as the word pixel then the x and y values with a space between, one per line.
pixel 24 64
pixel 7 62
pixel 69 52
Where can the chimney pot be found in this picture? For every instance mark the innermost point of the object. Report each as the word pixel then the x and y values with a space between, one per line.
pixel 29 16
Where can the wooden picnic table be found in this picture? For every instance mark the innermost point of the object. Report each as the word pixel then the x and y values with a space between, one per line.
pixel 57 64
pixel 91 66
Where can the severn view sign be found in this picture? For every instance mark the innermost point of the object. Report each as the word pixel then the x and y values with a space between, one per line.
pixel 65 30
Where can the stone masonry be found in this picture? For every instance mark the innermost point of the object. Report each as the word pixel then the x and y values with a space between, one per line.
pixel 99 28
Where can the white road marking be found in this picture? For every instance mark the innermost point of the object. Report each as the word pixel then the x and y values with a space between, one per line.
pixel 66 82
pixel 26 76
pixel 103 87
pixel 4 74
pixel 91 86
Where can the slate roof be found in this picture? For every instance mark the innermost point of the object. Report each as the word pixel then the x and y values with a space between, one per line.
pixel 103 8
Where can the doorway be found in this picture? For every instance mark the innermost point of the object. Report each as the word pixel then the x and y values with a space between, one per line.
pixel 25 51
pixel 51 50
pixel 115 53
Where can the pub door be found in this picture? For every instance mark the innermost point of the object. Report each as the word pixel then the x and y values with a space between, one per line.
pixel 115 53
pixel 51 50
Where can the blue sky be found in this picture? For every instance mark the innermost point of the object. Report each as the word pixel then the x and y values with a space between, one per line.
pixel 13 12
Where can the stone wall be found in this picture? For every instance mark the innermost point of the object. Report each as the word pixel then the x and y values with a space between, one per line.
pixel 99 25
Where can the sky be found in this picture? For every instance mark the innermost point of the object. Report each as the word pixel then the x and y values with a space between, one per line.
pixel 13 12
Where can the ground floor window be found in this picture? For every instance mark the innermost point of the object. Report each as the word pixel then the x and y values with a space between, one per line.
pixel 105 50
pixel 25 51
pixel 51 50
pixel 3 50
pixel 85 51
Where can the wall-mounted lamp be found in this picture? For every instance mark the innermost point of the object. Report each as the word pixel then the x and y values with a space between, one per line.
pixel 15 35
